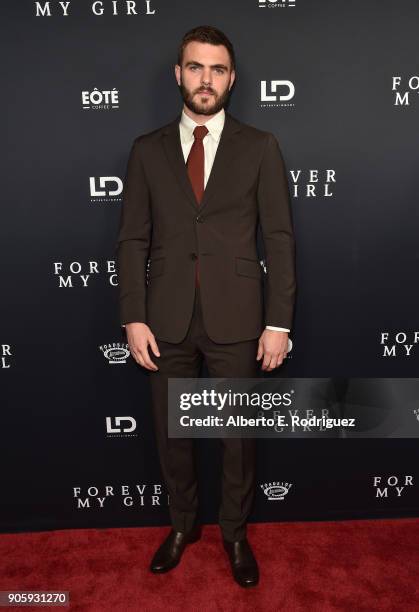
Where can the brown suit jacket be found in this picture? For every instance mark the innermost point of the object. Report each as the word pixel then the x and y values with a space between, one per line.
pixel 162 223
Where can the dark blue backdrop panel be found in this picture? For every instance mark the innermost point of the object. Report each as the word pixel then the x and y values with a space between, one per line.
pixel 77 440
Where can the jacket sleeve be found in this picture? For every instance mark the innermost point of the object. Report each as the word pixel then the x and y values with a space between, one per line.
pixel 278 236
pixel 133 241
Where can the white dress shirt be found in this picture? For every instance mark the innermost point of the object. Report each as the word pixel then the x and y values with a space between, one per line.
pixel 215 127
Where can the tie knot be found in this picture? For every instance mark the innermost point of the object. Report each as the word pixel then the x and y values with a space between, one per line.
pixel 200 131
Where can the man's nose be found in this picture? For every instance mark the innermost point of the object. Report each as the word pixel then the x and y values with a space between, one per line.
pixel 206 77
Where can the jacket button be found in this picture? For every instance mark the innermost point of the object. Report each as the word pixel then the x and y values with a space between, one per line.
pixel 199 219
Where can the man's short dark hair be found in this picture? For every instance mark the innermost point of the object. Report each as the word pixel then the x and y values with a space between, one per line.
pixel 207 34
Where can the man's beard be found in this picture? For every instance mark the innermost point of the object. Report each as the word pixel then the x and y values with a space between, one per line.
pixel 202 108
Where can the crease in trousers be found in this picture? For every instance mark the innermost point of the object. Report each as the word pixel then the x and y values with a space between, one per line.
pixel 177 455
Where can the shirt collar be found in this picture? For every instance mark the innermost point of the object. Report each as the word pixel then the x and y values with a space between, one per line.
pixel 215 125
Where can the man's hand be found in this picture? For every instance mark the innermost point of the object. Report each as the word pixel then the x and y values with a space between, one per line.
pixel 273 347
pixel 139 336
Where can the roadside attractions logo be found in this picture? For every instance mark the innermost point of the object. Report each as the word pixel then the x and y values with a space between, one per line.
pixel 275 491
pixel 115 352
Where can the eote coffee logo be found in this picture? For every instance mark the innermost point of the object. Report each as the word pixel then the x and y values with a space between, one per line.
pixel 108 99
pixel 117 352
pixel 276 490
pixel 276 3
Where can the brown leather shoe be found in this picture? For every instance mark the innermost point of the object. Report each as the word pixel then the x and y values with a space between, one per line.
pixel 243 563
pixel 170 551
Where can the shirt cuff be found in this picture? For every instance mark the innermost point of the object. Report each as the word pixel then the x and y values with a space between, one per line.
pixel 277 328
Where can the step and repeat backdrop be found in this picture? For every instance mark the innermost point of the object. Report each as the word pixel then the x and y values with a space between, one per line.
pixel 337 83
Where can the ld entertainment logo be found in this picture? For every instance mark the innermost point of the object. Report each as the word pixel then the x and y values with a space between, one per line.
pixel 279 93
pixel 276 490
pixel 106 190
pixel 116 429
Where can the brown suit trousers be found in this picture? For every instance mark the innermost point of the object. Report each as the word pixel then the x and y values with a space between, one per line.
pixel 177 458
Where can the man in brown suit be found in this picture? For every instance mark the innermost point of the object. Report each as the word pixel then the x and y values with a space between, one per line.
pixel 194 193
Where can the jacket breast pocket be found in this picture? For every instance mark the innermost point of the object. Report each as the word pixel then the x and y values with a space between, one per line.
pixel 248 267
pixel 156 266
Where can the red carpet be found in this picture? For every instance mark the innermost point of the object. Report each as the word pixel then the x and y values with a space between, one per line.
pixel 362 565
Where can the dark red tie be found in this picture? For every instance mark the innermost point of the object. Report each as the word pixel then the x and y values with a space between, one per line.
pixel 196 169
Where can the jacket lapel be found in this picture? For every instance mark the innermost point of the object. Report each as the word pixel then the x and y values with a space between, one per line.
pixel 227 149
